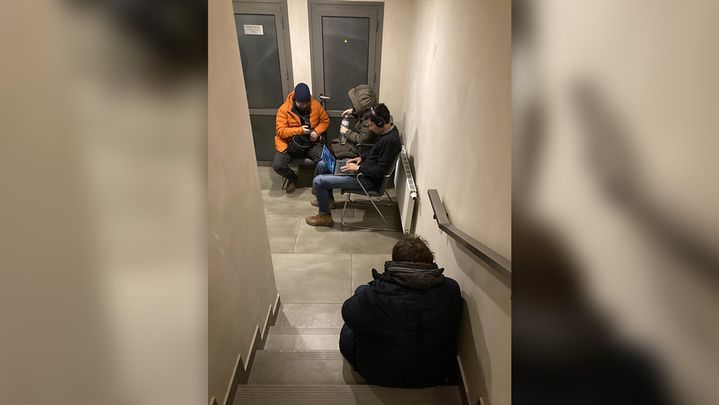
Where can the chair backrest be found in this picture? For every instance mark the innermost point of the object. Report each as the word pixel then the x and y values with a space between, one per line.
pixel 390 175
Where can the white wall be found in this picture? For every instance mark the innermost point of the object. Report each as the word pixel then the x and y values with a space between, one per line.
pixel 298 15
pixel 241 276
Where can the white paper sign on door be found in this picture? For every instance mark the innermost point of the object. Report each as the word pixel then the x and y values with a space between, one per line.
pixel 253 29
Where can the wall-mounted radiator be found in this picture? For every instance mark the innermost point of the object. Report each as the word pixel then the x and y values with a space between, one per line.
pixel 406 191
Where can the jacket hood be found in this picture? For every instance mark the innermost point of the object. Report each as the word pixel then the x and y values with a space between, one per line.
pixel 403 293
pixel 418 276
pixel 362 97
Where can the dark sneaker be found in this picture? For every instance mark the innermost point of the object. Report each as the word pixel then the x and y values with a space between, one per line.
pixel 333 205
pixel 320 220
pixel 291 187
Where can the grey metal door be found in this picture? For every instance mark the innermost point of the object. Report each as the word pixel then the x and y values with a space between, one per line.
pixel 345 43
pixel 265 53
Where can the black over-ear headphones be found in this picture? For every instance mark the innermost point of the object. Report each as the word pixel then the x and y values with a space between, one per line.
pixel 377 119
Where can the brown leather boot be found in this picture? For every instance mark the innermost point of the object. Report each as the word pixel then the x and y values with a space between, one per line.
pixel 320 220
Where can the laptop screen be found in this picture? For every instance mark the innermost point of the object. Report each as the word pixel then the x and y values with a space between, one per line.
pixel 328 159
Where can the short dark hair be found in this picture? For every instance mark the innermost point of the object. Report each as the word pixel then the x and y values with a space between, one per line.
pixel 412 249
pixel 381 111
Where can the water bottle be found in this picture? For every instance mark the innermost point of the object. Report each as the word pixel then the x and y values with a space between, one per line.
pixel 346 124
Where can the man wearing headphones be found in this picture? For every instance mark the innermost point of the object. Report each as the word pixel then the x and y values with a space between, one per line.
pixel 373 165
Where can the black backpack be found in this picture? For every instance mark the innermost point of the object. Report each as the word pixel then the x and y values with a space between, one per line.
pixel 298 146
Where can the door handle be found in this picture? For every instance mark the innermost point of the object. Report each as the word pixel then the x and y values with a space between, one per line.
pixel 323 99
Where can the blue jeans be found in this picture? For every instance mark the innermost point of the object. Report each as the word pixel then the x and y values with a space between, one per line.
pixel 324 182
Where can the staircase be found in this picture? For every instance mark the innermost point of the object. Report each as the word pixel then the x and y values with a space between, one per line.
pixel 301 365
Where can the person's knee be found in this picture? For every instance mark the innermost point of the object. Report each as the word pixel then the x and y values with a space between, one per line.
pixel 346 344
pixel 317 181
pixel 321 168
pixel 278 165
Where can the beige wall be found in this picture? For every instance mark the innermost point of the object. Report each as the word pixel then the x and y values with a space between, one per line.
pixel 657 128
pixel 457 115
pixel 241 277
pixel 299 23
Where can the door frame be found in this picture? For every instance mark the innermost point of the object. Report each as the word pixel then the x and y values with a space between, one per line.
pixel 276 7
pixel 316 63
pixel 284 48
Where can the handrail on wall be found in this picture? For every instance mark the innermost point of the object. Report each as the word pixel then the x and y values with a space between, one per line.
pixel 496 261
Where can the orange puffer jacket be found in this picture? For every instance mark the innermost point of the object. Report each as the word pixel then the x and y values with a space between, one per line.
pixel 288 124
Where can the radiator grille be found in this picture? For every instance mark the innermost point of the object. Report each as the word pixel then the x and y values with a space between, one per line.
pixel 406 191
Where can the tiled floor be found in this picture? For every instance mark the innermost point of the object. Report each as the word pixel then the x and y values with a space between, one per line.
pixel 316 265
pixel 316 270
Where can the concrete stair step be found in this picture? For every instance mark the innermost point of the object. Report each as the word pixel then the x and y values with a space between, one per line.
pixel 293 339
pixel 310 315
pixel 295 330
pixel 302 368
pixel 344 394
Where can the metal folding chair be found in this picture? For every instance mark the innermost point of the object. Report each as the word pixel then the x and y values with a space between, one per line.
pixel 374 197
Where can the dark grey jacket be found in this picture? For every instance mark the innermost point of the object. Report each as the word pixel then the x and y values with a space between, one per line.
pixel 362 97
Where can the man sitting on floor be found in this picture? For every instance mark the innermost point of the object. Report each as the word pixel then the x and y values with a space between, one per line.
pixel 373 165
pixel 401 329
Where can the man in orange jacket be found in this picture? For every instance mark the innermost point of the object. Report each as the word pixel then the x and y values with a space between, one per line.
pixel 300 115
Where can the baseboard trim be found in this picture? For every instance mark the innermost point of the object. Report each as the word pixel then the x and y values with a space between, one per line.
pixel 270 319
pixel 462 383
pixel 241 373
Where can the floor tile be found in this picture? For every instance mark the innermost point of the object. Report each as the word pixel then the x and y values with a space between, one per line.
pixel 268 178
pixel 364 214
pixel 313 278
pixel 271 180
pixel 338 239
pixel 362 266
pixel 277 202
pixel 282 230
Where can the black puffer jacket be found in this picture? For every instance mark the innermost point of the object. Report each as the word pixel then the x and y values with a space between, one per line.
pixel 405 325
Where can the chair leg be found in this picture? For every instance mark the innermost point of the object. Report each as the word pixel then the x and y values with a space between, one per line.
pixel 284 182
pixel 344 208
pixel 380 214
pixel 342 219
pixel 390 198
